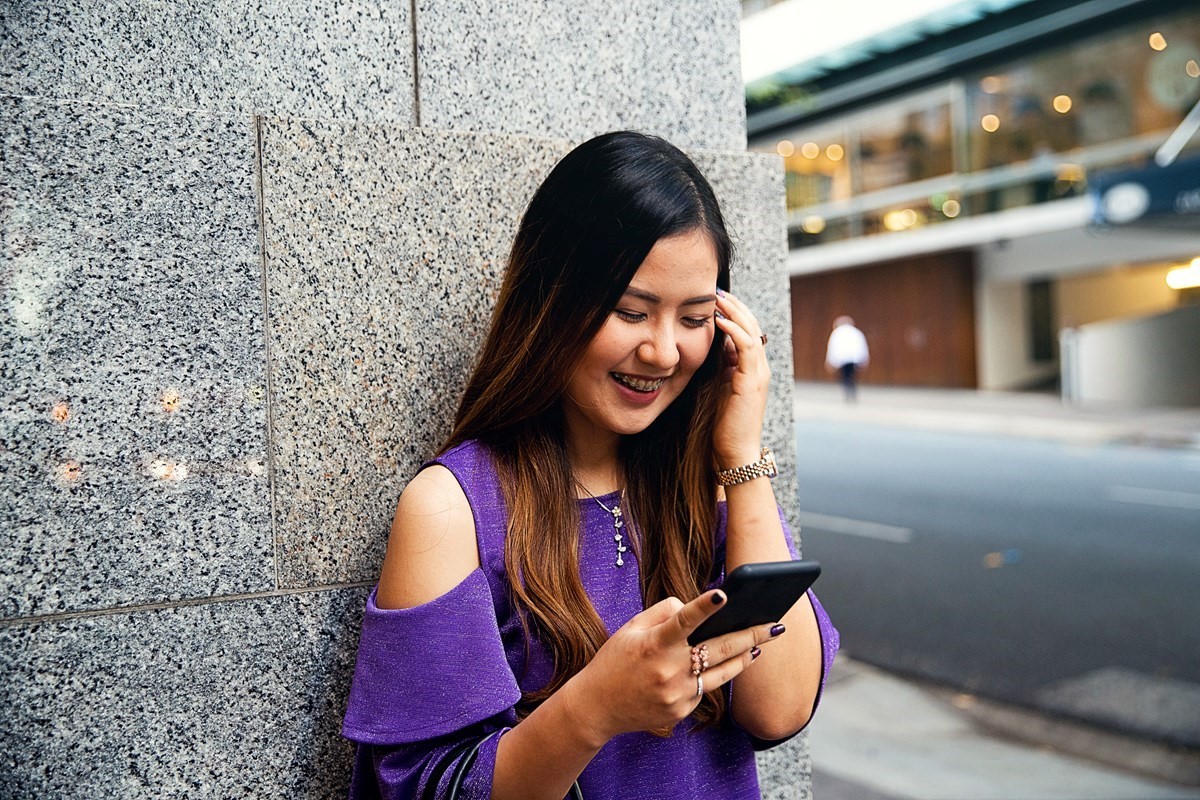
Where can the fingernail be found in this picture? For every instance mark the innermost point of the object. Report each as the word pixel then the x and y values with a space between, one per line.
pixel 778 629
pixel 718 598
pixel 755 653
pixel 720 315
pixel 720 292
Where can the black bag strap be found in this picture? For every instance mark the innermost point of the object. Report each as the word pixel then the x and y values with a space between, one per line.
pixel 468 759
pixel 452 755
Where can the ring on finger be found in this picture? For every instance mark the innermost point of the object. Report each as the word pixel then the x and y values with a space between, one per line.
pixel 763 337
pixel 699 659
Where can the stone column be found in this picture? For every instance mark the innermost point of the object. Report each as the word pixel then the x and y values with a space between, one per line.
pixel 248 253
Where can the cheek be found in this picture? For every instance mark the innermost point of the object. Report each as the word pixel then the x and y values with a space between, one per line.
pixel 606 349
pixel 696 349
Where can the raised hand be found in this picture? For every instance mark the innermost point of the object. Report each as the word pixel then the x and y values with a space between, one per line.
pixel 642 678
pixel 737 438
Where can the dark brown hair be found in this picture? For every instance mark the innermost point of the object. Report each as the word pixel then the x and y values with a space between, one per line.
pixel 586 231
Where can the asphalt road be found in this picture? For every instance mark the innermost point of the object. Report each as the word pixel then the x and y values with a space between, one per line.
pixel 1062 577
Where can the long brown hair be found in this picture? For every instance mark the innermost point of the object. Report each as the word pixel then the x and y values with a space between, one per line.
pixel 586 231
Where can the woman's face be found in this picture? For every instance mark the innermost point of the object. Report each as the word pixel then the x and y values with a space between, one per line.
pixel 651 344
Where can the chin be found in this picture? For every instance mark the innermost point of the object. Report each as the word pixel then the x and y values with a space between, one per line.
pixel 630 425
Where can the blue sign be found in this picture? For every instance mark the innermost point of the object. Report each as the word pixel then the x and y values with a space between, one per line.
pixel 1152 196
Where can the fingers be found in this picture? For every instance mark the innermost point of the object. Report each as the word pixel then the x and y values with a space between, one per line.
pixel 718 675
pixel 736 643
pixel 661 612
pixel 685 620
pixel 731 654
pixel 731 354
pixel 745 330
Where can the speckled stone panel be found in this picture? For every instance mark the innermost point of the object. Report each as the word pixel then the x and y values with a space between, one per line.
pixel 785 772
pixel 349 59
pixel 132 359
pixel 227 699
pixel 573 70
pixel 385 248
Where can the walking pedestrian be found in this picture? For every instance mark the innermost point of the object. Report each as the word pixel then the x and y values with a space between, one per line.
pixel 847 355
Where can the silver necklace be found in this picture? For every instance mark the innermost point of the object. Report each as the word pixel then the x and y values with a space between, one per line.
pixel 618 522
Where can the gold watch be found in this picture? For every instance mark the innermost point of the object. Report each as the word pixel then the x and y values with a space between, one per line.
pixel 763 468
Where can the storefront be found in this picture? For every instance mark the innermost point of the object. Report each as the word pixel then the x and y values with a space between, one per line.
pixel 953 221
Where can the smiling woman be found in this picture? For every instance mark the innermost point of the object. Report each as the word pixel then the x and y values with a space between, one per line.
pixel 529 630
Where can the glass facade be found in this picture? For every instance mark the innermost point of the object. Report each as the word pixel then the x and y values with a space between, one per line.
pixel 1018 134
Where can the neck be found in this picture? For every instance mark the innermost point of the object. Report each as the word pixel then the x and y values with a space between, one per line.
pixel 594 458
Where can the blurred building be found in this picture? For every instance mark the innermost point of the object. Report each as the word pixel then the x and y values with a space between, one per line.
pixel 938 158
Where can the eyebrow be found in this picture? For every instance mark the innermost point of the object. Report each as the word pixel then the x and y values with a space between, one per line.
pixel 655 299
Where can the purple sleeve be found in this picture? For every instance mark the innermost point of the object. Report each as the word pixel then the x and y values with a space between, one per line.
pixel 830 638
pixel 427 682
pixel 404 772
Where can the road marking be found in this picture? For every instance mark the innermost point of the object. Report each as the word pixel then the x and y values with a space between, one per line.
pixel 1153 497
pixel 856 527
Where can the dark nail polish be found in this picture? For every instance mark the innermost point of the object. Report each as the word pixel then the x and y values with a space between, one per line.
pixel 755 653
pixel 718 598
pixel 778 629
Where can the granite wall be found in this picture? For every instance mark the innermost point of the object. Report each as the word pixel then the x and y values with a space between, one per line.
pixel 248 252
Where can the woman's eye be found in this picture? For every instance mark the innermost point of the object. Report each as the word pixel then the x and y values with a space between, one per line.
pixel 696 322
pixel 629 316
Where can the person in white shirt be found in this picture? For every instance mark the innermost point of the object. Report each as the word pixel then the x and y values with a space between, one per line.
pixel 847 354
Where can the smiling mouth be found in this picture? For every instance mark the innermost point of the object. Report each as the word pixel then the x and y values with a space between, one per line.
pixel 638 384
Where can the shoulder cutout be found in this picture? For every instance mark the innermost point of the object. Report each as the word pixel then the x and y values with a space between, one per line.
pixel 432 544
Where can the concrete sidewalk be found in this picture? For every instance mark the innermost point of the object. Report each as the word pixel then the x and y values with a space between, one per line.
pixel 877 737
pixel 1026 415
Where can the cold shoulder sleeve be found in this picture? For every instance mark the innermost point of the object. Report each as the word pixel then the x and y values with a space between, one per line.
pixel 428 679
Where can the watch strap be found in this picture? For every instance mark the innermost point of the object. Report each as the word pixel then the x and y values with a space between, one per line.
pixel 763 468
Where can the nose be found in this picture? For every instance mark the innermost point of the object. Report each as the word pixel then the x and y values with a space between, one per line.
pixel 660 349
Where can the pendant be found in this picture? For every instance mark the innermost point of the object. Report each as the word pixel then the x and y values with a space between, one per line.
pixel 618 524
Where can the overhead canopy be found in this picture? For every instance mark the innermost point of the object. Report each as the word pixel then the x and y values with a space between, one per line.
pixel 795 42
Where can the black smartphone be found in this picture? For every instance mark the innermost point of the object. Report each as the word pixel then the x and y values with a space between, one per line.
pixel 756 594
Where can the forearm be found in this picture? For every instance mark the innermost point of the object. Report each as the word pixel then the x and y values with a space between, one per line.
pixel 773 698
pixel 543 755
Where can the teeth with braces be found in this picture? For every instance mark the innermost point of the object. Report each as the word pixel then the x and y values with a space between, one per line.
pixel 639 385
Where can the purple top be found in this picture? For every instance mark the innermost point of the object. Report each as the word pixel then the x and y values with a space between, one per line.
pixel 430 677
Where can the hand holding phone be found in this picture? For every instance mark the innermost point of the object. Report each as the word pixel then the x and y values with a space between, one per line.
pixel 757 594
